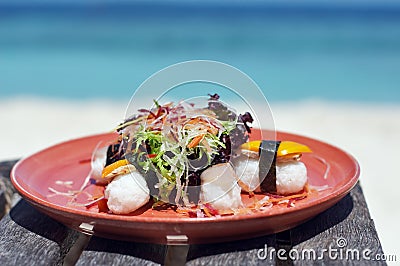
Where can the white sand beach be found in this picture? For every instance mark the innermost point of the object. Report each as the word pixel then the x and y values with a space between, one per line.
pixel 369 131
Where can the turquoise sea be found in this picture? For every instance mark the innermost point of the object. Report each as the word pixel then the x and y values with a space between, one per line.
pixel 75 51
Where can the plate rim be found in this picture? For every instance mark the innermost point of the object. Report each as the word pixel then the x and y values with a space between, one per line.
pixel 336 193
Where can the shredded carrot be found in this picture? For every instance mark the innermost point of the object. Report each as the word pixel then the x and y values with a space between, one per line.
pixel 195 141
pixel 109 168
pixel 296 196
pixel 206 211
pixel 301 195
pixel 102 205
pixel 204 125
pixel 256 206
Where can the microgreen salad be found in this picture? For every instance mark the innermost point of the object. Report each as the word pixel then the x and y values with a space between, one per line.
pixel 178 142
pixel 197 159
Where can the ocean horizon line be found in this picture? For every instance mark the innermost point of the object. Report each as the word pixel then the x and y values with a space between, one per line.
pixel 170 8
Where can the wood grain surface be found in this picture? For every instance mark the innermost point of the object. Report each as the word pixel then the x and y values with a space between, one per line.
pixel 28 237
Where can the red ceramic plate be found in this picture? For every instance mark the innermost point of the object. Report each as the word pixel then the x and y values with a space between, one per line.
pixel 69 161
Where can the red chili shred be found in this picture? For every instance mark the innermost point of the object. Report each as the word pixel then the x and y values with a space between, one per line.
pixel 211 209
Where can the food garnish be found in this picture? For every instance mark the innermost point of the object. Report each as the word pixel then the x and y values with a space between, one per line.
pixel 197 159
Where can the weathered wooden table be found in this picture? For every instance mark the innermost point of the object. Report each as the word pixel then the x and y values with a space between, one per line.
pixel 344 234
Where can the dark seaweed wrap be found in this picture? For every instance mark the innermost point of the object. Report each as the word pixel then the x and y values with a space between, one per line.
pixel 113 154
pixel 267 165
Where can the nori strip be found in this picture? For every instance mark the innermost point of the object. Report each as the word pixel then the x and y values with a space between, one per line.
pixel 113 154
pixel 267 165
pixel 193 189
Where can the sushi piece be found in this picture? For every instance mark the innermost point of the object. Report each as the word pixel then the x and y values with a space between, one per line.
pixel 126 188
pixel 127 193
pixel 291 177
pixel 272 167
pixel 219 187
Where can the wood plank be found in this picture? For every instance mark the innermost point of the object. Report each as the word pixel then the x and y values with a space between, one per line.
pixel 102 251
pixel 346 227
pixel 3 203
pixel 242 252
pixel 6 166
pixel 245 252
pixel 28 236
pixel 7 191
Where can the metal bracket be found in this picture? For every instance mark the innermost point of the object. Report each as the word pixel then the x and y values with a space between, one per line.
pixel 86 228
pixel 177 250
